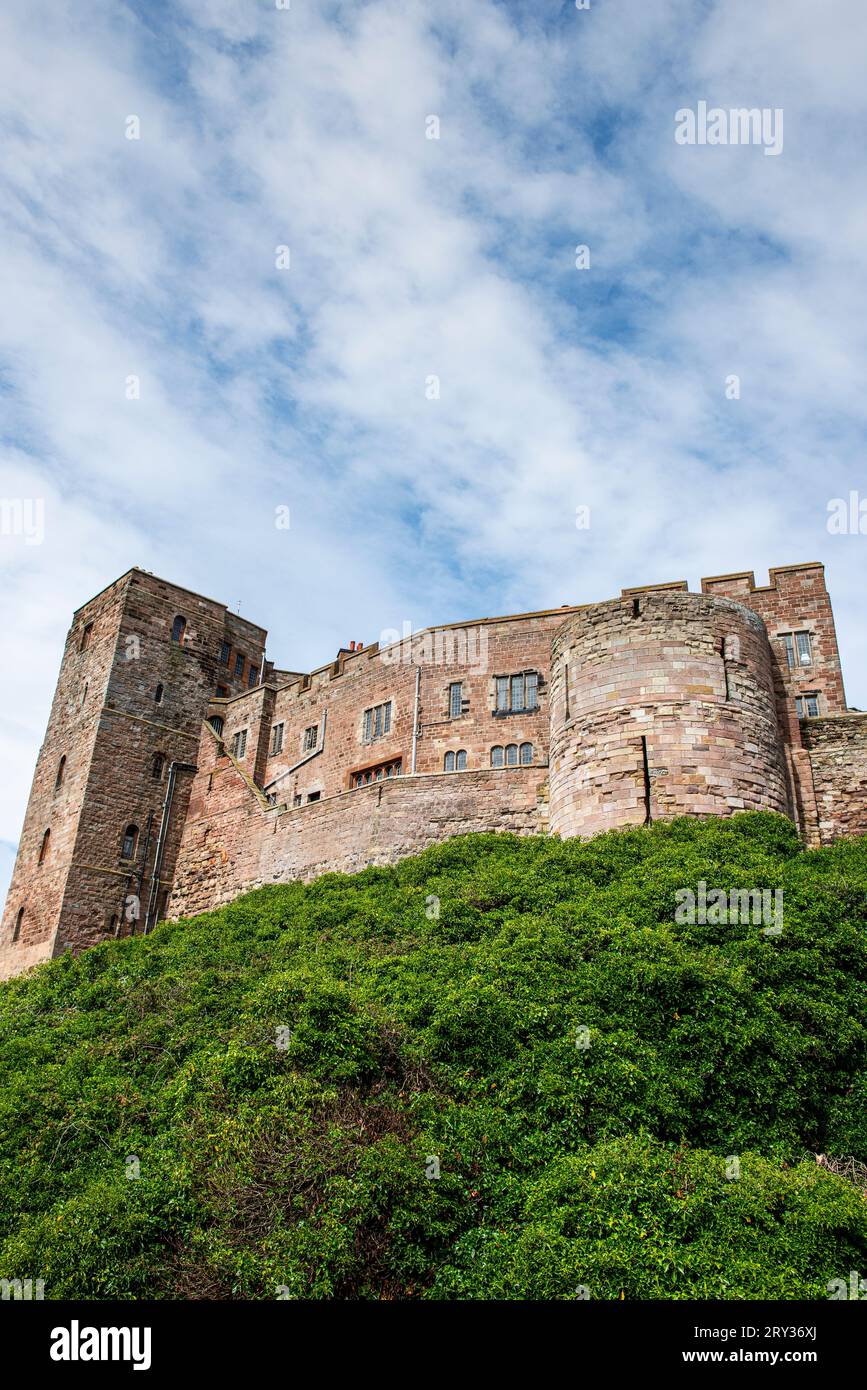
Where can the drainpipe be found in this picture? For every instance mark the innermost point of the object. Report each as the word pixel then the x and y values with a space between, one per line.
pixel 415 717
pixel 174 769
pixel 144 858
pixel 141 872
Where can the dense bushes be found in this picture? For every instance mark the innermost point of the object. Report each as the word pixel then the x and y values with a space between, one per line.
pixel 258 1101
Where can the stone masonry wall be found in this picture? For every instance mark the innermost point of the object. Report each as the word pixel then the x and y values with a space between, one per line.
pixel 232 844
pixel 837 749
pixel 227 842
pixel 699 683
pixel 795 600
pixel 37 889
pixel 127 695
pixel 475 656
pixel 662 704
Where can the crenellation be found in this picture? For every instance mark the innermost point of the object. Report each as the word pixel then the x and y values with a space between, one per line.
pixel 233 772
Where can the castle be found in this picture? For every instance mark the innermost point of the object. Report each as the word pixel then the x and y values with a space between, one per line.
pixel 180 767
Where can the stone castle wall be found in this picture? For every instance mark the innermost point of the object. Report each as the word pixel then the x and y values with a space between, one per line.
pixel 36 892
pixel 233 843
pixel 656 704
pixel 415 678
pixel 837 750
pixel 108 726
pixel 795 599
pixel 662 704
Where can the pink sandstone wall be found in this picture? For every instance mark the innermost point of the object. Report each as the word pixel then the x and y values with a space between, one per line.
pixel 242 845
pixel 837 749
pixel 232 840
pixel 796 599
pixel 662 704
pixel 105 721
pixel 703 678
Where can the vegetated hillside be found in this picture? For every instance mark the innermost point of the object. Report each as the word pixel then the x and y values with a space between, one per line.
pixel 434 1011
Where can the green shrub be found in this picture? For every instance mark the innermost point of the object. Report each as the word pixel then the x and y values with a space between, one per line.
pixel 612 1100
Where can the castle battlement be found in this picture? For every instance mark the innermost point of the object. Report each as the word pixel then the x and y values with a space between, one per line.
pixel 181 767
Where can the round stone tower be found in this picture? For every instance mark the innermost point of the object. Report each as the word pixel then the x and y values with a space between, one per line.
pixel 662 704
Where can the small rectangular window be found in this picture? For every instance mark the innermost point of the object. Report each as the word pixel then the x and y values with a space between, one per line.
pixel 313 796
pixel 252 676
pixel 239 744
pixel 225 653
pixel 239 664
pixel 805 650
pixel 807 706
pixel 276 739
pixel 456 699
pixel 296 800
pixel 311 737
pixel 518 693
pixel 799 649
pixel 377 722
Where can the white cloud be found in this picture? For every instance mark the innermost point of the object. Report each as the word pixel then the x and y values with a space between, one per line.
pixel 412 257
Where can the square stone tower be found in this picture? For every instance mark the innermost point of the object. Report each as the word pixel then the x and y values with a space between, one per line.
pixel 112 781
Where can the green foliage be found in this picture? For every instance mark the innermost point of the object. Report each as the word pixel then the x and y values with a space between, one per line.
pixel 285 1074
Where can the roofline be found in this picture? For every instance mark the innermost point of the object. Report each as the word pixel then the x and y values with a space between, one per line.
pixel 772 575
pixel 678 585
pixel 564 610
pixel 181 589
pixel 103 590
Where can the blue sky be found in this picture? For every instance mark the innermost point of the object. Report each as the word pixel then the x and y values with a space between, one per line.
pixel 412 258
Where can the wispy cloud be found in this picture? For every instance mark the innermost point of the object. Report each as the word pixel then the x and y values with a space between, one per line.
pixel 411 259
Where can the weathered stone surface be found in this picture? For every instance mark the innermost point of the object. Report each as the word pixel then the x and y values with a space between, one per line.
pixel 837 750
pixel 108 726
pixel 699 683
pixel 662 705
pixel 239 846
